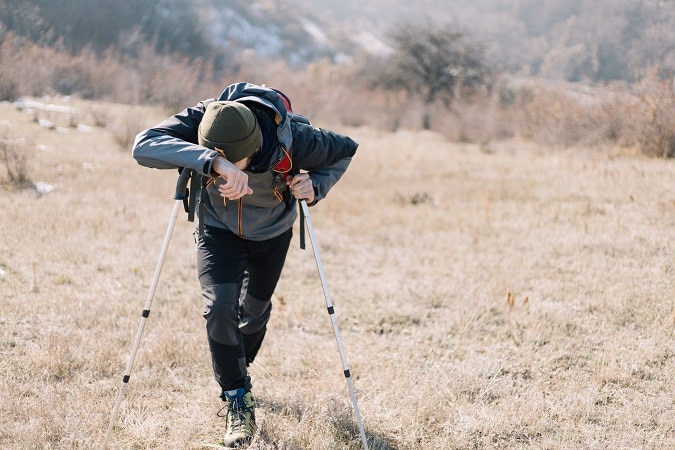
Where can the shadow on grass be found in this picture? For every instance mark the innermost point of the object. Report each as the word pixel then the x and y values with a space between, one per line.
pixel 343 422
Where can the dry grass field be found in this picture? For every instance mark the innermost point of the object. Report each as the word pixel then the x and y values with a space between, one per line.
pixel 508 297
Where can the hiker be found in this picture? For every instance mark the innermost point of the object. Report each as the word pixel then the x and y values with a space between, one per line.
pixel 257 159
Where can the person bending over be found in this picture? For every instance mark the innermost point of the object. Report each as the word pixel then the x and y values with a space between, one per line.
pixel 258 159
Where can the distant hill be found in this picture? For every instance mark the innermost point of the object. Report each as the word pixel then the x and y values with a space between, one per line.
pixel 574 40
pixel 209 28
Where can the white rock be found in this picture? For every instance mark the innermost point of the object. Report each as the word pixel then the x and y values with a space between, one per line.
pixel 43 188
pixel 46 123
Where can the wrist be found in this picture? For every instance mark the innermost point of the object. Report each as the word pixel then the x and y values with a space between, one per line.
pixel 217 166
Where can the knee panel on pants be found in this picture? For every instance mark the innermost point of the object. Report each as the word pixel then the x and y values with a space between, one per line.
pixel 254 314
pixel 221 312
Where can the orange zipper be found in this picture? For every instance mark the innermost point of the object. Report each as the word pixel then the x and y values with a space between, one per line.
pixel 239 219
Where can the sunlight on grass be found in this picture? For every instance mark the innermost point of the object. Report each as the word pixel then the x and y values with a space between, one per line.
pixel 520 298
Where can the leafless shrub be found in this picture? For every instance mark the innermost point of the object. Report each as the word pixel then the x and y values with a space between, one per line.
pixel 551 117
pixel 99 115
pixel 567 115
pixel 9 86
pixel 14 156
pixel 27 69
pixel 652 126
pixel 125 130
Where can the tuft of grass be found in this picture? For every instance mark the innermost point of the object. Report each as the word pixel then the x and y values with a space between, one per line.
pixel 125 129
pixel 14 157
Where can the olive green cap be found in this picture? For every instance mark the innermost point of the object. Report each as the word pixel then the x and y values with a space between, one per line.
pixel 230 127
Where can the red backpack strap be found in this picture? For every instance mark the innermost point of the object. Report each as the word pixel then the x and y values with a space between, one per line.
pixel 285 99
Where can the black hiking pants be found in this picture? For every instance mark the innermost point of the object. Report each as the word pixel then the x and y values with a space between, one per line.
pixel 237 278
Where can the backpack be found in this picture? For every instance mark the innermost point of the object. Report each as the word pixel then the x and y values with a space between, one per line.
pixel 246 92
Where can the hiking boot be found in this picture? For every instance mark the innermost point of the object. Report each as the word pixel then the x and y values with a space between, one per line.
pixel 239 413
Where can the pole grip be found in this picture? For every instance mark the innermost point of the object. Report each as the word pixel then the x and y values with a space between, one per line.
pixel 181 184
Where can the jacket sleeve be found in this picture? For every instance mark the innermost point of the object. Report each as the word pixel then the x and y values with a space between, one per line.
pixel 324 179
pixel 323 153
pixel 173 143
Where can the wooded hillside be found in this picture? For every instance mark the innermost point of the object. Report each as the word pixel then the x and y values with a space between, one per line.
pixel 574 40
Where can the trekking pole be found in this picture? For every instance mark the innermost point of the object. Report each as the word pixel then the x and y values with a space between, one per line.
pixel 178 197
pixel 331 312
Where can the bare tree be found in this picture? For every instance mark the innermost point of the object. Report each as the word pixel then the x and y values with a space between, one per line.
pixel 433 64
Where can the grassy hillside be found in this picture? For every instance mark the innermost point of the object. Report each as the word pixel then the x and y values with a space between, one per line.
pixel 421 241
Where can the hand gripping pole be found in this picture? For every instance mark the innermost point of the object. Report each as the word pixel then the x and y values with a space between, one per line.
pixel 178 197
pixel 331 312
